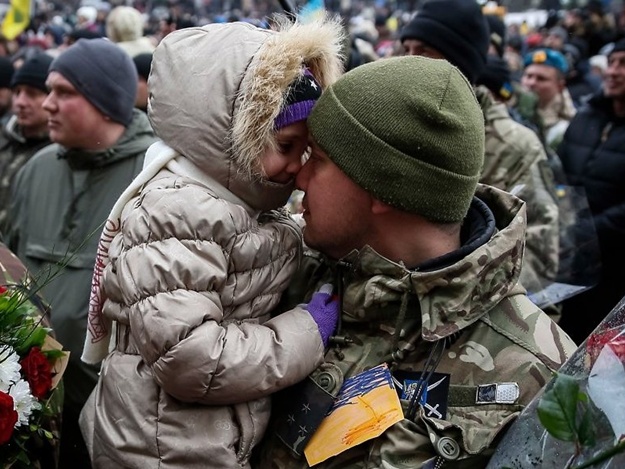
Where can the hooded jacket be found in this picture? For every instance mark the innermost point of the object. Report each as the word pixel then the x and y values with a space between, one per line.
pixel 469 301
pixel 203 257
pixel 59 200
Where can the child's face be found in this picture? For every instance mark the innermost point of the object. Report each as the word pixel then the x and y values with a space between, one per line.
pixel 283 164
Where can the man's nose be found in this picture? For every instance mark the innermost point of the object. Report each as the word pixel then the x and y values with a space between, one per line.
pixel 301 180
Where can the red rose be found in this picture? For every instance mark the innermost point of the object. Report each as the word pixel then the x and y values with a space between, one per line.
pixel 8 417
pixel 3 289
pixel 613 338
pixel 37 372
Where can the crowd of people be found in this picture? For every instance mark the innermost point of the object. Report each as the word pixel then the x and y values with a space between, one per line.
pixel 252 210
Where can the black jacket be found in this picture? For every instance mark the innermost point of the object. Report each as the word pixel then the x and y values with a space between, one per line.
pixel 593 157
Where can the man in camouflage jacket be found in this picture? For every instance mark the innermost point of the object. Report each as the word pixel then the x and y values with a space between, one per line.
pixel 426 270
pixel 515 160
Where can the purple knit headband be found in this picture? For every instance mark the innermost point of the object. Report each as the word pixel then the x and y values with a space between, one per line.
pixel 301 98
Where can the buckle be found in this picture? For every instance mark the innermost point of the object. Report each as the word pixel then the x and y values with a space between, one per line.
pixel 497 393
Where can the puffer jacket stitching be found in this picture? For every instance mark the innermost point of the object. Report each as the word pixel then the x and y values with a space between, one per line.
pixel 186 289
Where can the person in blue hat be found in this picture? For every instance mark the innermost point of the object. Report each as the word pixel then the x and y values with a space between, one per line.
pixel 545 74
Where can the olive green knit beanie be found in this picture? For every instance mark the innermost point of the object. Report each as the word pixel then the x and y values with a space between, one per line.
pixel 409 131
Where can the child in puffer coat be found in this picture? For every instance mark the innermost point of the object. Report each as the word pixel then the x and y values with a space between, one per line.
pixel 196 253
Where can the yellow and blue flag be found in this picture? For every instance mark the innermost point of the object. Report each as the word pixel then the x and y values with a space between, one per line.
pixel 314 9
pixel 16 19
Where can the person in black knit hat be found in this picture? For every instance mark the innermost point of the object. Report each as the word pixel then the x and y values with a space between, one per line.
pixel 26 131
pixel 457 31
pixel 63 193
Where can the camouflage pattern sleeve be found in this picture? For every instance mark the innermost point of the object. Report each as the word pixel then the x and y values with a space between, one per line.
pixel 473 317
pixel 515 161
pixel 510 148
pixel 540 262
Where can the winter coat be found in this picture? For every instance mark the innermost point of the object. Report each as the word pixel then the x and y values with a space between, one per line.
pixel 61 198
pixel 468 299
pixel 593 157
pixel 203 257
pixel 15 151
pixel 515 160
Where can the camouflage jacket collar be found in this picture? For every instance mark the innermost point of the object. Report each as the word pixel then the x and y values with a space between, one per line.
pixel 453 291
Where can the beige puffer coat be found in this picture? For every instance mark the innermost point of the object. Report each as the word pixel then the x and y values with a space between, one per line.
pixel 195 270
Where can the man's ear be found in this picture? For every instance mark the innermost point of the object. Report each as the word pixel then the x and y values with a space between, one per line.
pixel 379 208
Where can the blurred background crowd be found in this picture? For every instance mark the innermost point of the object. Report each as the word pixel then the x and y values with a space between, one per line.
pixel 555 68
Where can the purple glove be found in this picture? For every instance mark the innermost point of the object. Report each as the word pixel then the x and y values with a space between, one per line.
pixel 324 309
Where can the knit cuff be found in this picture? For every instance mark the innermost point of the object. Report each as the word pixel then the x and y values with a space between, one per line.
pixel 293 113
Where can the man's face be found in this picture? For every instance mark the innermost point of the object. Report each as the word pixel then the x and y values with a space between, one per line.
pixel 417 47
pixel 73 121
pixel 337 211
pixel 543 80
pixel 614 79
pixel 28 107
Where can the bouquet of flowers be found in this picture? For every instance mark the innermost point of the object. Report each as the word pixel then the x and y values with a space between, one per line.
pixel 31 366
pixel 578 421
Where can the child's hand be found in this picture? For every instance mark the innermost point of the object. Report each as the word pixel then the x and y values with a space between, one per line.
pixel 324 309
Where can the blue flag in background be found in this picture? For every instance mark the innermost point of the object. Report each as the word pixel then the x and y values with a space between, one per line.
pixel 314 9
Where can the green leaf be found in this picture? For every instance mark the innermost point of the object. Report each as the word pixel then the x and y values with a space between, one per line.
pixel 52 354
pixel 557 408
pixel 23 457
pixel 35 338
pixel 586 429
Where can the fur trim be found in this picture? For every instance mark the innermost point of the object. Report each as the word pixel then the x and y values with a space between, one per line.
pixel 318 45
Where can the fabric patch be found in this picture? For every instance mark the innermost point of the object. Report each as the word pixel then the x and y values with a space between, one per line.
pixel 434 399
pixel 301 408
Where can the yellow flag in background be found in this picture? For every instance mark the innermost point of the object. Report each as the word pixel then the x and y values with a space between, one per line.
pixel 16 19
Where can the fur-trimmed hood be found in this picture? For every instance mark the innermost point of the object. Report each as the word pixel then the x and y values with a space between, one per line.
pixel 216 90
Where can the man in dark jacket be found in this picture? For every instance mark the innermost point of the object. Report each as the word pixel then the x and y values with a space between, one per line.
pixel 62 196
pixel 593 157
pixel 26 132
